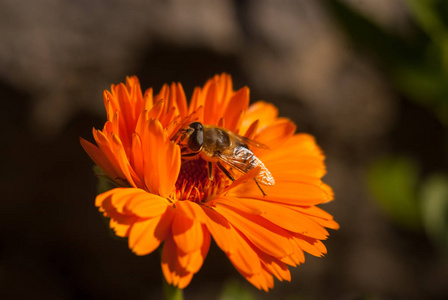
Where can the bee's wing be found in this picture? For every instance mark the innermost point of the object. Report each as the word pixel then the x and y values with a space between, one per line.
pixel 251 142
pixel 244 160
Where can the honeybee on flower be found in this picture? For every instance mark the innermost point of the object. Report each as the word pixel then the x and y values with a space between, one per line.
pixel 214 168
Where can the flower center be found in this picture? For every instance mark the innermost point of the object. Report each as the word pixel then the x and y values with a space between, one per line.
pixel 193 183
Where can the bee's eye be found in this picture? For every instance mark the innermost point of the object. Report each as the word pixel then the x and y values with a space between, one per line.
pixel 197 137
pixel 195 141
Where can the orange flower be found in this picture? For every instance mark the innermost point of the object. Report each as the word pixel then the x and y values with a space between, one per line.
pixel 164 198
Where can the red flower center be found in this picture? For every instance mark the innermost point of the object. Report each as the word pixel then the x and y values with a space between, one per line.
pixel 193 172
pixel 193 183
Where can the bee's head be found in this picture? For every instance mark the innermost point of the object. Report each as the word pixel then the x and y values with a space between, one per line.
pixel 195 133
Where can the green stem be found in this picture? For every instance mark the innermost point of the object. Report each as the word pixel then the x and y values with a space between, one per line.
pixel 172 292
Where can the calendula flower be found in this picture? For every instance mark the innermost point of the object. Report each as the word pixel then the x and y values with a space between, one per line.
pixel 168 201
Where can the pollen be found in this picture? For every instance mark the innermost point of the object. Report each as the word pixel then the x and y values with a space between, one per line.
pixel 193 183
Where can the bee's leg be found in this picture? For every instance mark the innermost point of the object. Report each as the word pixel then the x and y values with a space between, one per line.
pixel 210 171
pixel 264 195
pixel 224 170
pixel 190 154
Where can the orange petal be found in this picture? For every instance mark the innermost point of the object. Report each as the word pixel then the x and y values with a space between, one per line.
pixel 173 272
pixel 169 260
pixel 193 261
pixel 142 240
pixel 124 201
pixel 181 100
pixel 162 163
pixel 184 280
pixel 298 156
pixel 123 195
pixel 221 122
pixel 326 223
pixel 106 147
pixel 187 233
pixel 262 280
pixel 225 87
pixel 294 170
pixel 328 190
pixel 126 122
pixel 133 86
pixel 313 211
pixel 109 104
pixel 281 216
pixel 123 161
pixel 275 267
pixel 294 259
pixel 211 105
pixel 137 156
pixel 146 205
pixel 298 256
pixel 252 130
pixel 191 210
pixel 98 157
pixel 265 113
pixel 148 99
pixel 302 144
pixel 103 196
pixel 244 258
pixel 238 104
pixel 117 198
pixel 276 133
pixel 293 193
pixel 223 233
pixel 242 179
pixel 318 215
pixel 310 245
pixel 196 102
pixel 235 203
pixel 266 236
pixel 113 126
pixel 121 224
pixel 156 111
pixel 145 236
pixel 172 164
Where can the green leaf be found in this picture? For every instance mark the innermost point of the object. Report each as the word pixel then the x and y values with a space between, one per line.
pixel 435 210
pixel 392 182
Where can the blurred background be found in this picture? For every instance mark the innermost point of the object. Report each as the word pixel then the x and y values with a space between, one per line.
pixel 368 78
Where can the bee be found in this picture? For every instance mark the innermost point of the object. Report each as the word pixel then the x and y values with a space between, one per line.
pixel 217 145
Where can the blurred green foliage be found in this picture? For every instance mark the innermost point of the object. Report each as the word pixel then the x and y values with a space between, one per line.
pixel 393 181
pixel 416 63
pixel 434 196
